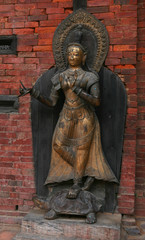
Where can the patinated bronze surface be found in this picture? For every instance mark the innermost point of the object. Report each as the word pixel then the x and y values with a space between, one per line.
pixel 76 147
pixel 75 137
pixel 86 204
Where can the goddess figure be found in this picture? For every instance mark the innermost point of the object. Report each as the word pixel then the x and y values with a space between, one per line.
pixel 76 149
pixel 76 145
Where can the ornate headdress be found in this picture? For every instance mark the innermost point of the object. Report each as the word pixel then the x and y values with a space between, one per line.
pixel 82 28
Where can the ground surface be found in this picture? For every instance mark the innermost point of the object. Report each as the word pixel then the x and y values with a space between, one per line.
pixel 7 232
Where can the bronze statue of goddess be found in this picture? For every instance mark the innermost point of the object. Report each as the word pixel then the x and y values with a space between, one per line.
pixel 76 145
pixel 66 136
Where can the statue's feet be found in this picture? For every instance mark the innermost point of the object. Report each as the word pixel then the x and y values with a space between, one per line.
pixel 73 191
pixel 91 218
pixel 50 215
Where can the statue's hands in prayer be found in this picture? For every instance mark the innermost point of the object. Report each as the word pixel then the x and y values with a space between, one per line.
pixel 71 82
pixel 68 82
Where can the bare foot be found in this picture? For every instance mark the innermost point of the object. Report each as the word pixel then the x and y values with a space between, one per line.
pixel 73 191
pixel 50 215
pixel 91 218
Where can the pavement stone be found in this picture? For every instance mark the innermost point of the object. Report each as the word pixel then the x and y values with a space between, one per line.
pixel 7 235
pixel 133 228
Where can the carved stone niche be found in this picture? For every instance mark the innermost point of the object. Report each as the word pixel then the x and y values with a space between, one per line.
pixel 8 45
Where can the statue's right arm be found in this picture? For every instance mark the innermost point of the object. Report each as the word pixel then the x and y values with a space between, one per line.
pixel 51 101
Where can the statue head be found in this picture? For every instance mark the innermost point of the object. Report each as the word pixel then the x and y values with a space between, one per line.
pixel 76 55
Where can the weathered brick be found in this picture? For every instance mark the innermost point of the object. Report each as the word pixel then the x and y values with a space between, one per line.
pixel 49 4
pixel 45 42
pixel 60 16
pixel 31 24
pixel 32 60
pixel 115 8
pixel 128 21
pixel 44 54
pixel 45 29
pixel 98 9
pixel 24 48
pixel 17 19
pixel 50 23
pixel 128 61
pixel 129 7
pixel 125 48
pixel 27 42
pixel 127 14
pixel 23 31
pixel 24 12
pixel 54 10
pixel 13 60
pixel 14 25
pixel 37 18
pixel 42 48
pixel 6 66
pixel 66 4
pixel 21 7
pixel 112 61
pixel 6 32
pixel 6 8
pixel 98 3
pixel 111 22
pixel 24 66
pixel 37 12
pixel 47 61
pixel 109 15
pixel 27 54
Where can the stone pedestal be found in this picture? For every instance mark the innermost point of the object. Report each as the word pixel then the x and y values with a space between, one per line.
pixel 35 227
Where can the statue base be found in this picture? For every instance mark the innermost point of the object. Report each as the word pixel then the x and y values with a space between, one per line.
pixel 35 227
pixel 85 204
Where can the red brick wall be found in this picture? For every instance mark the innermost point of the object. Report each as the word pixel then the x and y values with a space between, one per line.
pixel 140 167
pixel 34 22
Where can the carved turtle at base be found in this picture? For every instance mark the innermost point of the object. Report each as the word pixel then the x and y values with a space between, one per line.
pixel 86 204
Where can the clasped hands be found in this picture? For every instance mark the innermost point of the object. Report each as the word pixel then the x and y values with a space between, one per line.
pixel 69 83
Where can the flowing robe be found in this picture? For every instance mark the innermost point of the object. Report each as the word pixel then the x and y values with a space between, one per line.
pixel 76 145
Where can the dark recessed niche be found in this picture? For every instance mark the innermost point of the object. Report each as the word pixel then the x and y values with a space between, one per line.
pixel 8 103
pixel 8 45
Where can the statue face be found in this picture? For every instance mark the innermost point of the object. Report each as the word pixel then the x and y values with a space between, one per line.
pixel 75 56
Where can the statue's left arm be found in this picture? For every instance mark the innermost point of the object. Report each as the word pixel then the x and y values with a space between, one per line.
pixel 92 95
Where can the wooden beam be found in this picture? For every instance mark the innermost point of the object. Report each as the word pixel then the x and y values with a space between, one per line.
pixel 79 4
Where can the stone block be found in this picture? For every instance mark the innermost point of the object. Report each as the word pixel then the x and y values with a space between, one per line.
pixel 34 226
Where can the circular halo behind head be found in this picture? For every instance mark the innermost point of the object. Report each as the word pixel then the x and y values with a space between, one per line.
pixel 81 28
